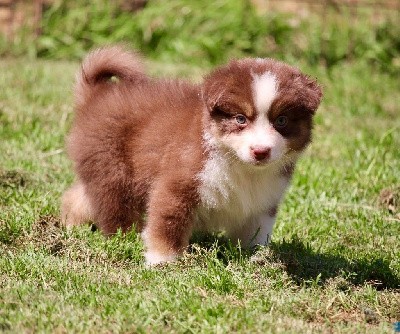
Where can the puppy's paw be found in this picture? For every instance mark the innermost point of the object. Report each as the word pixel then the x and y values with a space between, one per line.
pixel 154 258
pixel 75 206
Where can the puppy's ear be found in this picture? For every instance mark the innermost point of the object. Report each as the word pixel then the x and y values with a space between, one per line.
pixel 215 87
pixel 211 95
pixel 312 93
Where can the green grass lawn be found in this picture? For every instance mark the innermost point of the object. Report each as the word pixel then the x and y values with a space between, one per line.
pixel 333 265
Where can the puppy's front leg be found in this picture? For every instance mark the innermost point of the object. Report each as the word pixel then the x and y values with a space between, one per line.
pixel 258 230
pixel 170 219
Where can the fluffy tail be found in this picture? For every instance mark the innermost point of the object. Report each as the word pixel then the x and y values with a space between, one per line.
pixel 102 65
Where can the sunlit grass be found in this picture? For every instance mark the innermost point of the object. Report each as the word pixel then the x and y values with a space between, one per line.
pixel 334 262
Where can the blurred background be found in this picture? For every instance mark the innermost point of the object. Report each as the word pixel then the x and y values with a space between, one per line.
pixel 208 32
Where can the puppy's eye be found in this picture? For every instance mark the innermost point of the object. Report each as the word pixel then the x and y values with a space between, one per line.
pixel 241 119
pixel 281 121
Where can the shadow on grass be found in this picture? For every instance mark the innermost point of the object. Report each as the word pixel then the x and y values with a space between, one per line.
pixel 307 266
pixel 304 264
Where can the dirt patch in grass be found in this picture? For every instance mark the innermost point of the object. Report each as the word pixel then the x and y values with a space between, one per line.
pixel 47 232
pixel 13 178
pixel 389 198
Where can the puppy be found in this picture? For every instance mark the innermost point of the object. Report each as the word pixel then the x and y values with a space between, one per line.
pixel 171 157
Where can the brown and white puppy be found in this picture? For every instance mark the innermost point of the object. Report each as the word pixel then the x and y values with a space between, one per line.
pixel 171 157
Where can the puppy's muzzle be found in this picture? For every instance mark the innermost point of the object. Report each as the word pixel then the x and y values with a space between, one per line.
pixel 261 153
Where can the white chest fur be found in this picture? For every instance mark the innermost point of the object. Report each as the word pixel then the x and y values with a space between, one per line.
pixel 231 192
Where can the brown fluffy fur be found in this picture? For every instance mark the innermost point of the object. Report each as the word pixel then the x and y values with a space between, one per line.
pixel 137 143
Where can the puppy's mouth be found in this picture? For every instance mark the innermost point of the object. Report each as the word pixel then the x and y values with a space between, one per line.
pixel 257 163
pixel 262 162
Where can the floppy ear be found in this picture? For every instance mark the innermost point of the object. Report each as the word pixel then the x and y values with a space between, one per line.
pixel 312 93
pixel 212 93
pixel 216 87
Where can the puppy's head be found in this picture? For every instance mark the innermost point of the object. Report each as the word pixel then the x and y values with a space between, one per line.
pixel 260 110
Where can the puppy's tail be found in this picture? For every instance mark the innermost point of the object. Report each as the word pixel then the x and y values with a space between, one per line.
pixel 102 66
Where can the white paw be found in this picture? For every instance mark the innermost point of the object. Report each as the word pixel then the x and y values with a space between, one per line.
pixel 154 258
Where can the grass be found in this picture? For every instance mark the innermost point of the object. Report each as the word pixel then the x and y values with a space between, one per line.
pixel 333 265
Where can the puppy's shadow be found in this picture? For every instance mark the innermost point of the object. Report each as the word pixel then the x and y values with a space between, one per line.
pixel 306 265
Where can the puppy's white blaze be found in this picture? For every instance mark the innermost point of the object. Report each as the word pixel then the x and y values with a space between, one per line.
pixel 262 135
pixel 264 91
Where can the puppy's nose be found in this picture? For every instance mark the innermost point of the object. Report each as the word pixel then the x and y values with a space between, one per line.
pixel 261 153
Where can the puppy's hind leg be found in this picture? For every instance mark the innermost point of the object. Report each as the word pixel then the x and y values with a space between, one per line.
pixel 75 206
